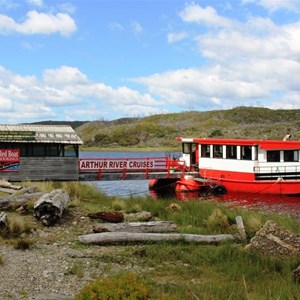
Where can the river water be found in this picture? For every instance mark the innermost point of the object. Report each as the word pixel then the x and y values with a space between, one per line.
pixel 126 188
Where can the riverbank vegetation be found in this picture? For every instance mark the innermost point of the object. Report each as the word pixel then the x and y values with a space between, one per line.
pixel 176 270
pixel 160 131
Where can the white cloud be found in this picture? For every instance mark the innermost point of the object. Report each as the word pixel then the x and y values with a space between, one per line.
pixel 174 37
pixel 248 62
pixel 115 26
pixel 136 27
pixel 67 87
pixel 38 3
pixel 200 87
pixel 207 16
pixel 63 76
pixel 274 5
pixel 39 23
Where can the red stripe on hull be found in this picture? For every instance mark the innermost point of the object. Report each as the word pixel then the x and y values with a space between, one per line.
pixel 246 183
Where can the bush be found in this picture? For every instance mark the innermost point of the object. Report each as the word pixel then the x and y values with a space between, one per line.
pixel 122 286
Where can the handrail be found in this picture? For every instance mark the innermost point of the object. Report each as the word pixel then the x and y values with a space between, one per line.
pixel 277 169
pixel 127 165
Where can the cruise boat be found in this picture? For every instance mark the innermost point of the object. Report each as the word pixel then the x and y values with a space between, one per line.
pixel 242 165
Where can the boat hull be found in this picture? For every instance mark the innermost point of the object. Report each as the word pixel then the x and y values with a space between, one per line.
pixel 267 187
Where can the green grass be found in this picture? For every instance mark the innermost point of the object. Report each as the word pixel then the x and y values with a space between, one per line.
pixel 190 271
pixel 178 270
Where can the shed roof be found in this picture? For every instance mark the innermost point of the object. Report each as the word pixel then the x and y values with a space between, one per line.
pixel 61 134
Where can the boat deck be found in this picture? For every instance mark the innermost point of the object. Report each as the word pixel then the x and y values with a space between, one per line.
pixel 106 176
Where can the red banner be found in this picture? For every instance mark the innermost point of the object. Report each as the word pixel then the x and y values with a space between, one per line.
pixel 9 155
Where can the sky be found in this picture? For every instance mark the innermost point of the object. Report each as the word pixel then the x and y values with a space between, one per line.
pixel 108 59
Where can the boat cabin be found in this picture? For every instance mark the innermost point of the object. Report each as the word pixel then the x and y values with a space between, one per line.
pixel 38 152
pixel 233 161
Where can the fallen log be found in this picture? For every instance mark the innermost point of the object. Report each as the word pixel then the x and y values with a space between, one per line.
pixel 6 184
pixel 7 190
pixel 109 238
pixel 49 207
pixel 146 227
pixel 15 201
pixel 107 216
pixel 141 216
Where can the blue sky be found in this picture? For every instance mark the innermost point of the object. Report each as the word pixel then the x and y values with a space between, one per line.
pixel 106 59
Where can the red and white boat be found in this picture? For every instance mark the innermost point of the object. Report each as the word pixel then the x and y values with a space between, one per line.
pixel 242 165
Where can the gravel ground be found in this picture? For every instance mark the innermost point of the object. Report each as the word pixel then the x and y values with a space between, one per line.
pixel 55 267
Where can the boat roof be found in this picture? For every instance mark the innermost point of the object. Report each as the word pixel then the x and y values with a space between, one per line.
pixel 263 144
pixel 62 134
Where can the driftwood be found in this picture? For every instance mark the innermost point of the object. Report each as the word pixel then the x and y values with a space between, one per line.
pixel 141 216
pixel 3 220
pixel 7 190
pixel 146 227
pixel 8 185
pixel 15 201
pixel 107 216
pixel 108 238
pixel 49 207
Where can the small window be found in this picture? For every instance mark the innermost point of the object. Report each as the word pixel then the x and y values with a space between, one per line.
pixel 231 152
pixel 218 151
pixel 273 156
pixel 38 150
pixel 246 152
pixel 53 150
pixel 291 155
pixel 205 150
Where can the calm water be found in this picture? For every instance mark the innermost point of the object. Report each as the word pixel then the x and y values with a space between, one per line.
pixel 278 204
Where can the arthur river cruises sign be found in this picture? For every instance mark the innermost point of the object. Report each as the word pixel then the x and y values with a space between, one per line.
pixel 9 160
pixel 92 165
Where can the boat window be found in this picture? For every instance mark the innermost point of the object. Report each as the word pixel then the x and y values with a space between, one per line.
pixel 218 151
pixel 231 152
pixel 291 155
pixel 273 156
pixel 246 152
pixel 205 150
pixel 186 148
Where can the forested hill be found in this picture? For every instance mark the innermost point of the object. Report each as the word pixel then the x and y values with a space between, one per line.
pixel 161 130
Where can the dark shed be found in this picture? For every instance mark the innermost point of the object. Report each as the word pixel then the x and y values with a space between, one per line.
pixel 38 152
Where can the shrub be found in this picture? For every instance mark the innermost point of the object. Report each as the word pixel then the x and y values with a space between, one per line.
pixel 17 226
pixel 121 286
pixel 23 244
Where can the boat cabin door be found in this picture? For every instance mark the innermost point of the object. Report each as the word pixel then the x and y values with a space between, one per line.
pixel 189 154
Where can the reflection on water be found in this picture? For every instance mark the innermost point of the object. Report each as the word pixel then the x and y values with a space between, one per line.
pixel 272 203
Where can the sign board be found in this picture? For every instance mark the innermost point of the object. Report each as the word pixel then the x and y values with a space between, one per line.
pixel 17 135
pixel 93 165
pixel 9 160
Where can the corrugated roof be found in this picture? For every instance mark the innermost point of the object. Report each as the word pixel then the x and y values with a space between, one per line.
pixel 62 134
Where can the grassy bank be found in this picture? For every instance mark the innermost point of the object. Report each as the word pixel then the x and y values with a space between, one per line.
pixel 177 270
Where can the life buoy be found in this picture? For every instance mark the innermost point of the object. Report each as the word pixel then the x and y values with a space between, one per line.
pixel 218 189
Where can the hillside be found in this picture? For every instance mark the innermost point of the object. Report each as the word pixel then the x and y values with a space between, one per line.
pixel 160 131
